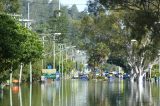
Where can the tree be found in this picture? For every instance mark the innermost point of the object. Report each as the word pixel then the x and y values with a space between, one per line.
pixel 73 11
pixel 94 37
pixel 17 44
pixel 140 21
pixel 31 48
pixel 9 6
pixel 59 24
pixel 144 51
pixel 97 55
pixel 139 55
pixel 152 5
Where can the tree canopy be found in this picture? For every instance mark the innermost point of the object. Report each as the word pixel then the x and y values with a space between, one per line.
pixel 17 44
pixel 131 31
pixel 9 6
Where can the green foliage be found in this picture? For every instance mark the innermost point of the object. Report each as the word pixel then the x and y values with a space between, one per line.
pixel 152 5
pixel 31 48
pixel 119 61
pixel 40 10
pixel 101 77
pixel 59 24
pixel 155 67
pixel 73 11
pixel 17 44
pixel 68 66
pixel 155 74
pixel 9 6
pixel 140 21
pixel 11 39
pixel 100 36
pixel 117 30
pixel 97 54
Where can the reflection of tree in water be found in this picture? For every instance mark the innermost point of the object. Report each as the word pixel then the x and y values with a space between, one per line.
pixel 123 93
pixel 133 94
pixel 140 95
pixel 116 93
pixel 96 94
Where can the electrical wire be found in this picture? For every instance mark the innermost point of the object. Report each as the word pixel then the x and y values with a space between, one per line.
pixel 51 3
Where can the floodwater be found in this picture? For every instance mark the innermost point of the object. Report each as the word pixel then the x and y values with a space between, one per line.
pixel 82 93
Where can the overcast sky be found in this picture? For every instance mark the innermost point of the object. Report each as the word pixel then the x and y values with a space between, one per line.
pixel 80 3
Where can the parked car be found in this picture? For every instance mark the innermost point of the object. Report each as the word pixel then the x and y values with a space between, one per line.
pixel 84 77
pixel 119 75
pixel 126 76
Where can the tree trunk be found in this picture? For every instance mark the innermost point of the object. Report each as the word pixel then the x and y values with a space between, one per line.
pixel 30 72
pixel 140 79
pixel 11 75
pixel 137 75
pixel 20 74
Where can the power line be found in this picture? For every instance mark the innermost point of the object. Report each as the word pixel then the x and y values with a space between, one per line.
pixel 75 4
pixel 52 3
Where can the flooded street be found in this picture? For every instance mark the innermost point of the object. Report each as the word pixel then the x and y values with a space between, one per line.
pixel 82 93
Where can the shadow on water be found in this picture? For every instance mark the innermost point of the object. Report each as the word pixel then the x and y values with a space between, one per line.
pixel 82 93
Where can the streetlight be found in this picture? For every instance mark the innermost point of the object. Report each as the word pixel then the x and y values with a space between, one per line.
pixel 133 40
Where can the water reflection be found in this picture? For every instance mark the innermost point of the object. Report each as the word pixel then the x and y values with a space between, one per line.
pixel 82 93
pixel 10 96
pixel 30 95
pixel 20 96
pixel 141 95
pixel 1 94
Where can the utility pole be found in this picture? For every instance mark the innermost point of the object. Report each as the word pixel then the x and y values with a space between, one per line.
pixel 60 59
pixel 28 26
pixel 159 62
pixel 54 47
pixel 66 52
pixel 43 35
pixel 20 75
pixel 59 8
pixel 28 14
pixel 43 48
pixel 30 64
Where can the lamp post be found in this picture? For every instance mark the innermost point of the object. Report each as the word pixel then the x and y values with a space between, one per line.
pixel 133 40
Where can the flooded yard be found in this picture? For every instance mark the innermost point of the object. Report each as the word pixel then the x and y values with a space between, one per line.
pixel 82 93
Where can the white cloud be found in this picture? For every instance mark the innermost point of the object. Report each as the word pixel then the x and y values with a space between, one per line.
pixel 49 1
pixel 81 4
